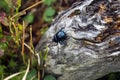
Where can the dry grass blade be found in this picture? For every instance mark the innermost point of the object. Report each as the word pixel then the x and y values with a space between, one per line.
pixel 23 35
pixel 28 67
pixel 13 75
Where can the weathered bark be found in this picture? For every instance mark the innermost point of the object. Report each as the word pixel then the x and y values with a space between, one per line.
pixel 92 47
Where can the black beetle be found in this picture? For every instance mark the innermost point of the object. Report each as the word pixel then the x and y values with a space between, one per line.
pixel 60 36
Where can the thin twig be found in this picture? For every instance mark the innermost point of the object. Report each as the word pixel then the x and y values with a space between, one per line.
pixel 37 54
pixel 39 2
pixel 16 34
pixel 28 8
pixel 23 36
pixel 29 48
pixel 31 40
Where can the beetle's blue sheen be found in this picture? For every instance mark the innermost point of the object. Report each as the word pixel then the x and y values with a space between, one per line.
pixel 60 36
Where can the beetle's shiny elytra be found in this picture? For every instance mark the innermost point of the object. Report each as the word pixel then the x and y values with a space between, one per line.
pixel 60 36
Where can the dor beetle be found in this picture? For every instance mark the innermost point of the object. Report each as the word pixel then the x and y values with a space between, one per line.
pixel 60 36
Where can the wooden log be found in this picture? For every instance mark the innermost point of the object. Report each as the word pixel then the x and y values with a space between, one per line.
pixel 92 47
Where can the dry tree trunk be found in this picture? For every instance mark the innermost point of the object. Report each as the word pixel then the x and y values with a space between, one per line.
pixel 92 47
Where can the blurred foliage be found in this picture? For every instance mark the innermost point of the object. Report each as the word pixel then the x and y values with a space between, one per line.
pixel 49 11
pixel 29 18
pixel 20 29
pixel 4 5
pixel 49 77
pixel 48 14
pixel 2 68
pixel 49 2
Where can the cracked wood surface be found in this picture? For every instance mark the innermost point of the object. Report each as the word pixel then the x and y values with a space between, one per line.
pixel 92 47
